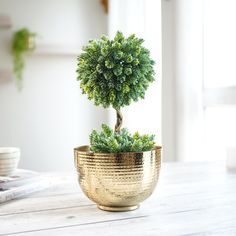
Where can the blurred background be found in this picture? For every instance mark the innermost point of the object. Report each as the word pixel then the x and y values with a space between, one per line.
pixel 190 107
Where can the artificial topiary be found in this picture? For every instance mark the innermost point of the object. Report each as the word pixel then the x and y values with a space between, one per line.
pixel 22 42
pixel 115 73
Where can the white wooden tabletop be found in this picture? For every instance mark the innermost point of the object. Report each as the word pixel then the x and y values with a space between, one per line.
pixel 190 199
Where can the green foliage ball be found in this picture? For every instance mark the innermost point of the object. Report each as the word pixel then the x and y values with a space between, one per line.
pixel 115 72
pixel 108 141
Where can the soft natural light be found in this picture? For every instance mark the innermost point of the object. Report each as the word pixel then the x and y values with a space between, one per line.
pixel 220 131
pixel 219 43
pixel 219 72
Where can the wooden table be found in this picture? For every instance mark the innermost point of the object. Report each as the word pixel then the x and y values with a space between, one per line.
pixel 191 199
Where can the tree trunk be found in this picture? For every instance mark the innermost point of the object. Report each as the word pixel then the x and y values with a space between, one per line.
pixel 119 119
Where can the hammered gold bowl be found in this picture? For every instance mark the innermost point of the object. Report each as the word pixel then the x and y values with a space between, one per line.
pixel 117 181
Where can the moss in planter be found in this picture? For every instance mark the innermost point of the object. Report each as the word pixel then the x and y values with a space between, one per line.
pixel 113 142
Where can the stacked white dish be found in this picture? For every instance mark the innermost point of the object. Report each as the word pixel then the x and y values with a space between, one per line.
pixel 9 159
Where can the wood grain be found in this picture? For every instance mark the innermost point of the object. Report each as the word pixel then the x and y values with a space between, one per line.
pixel 191 199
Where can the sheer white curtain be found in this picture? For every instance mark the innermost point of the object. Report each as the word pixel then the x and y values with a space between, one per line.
pixel 183 79
pixel 142 17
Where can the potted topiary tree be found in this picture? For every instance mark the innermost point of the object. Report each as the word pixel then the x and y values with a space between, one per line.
pixel 118 170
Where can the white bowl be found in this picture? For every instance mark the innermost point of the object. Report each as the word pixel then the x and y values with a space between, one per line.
pixel 9 159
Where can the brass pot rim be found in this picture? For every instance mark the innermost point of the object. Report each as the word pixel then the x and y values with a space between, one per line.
pixel 85 149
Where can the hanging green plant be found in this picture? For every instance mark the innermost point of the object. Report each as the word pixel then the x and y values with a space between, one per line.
pixel 23 41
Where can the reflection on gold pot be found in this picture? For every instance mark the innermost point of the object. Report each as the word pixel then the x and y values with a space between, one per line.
pixel 117 181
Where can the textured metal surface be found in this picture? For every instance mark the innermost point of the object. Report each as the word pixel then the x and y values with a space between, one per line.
pixel 117 181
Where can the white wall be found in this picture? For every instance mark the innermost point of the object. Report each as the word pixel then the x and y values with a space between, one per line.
pixel 50 116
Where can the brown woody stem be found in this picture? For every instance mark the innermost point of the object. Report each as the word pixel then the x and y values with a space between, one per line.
pixel 119 119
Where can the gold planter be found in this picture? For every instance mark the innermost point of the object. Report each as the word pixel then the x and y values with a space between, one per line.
pixel 117 181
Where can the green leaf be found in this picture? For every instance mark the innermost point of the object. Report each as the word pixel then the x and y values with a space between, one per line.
pixel 20 45
pixel 109 141
pixel 122 67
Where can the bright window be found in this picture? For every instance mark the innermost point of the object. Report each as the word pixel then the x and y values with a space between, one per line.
pixel 219 76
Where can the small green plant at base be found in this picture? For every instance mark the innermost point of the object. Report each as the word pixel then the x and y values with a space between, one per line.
pixel 115 73
pixel 22 43
pixel 113 142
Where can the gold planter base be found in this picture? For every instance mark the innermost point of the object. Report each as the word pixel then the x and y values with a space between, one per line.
pixel 118 209
pixel 117 181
